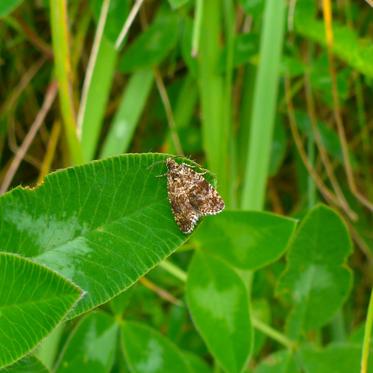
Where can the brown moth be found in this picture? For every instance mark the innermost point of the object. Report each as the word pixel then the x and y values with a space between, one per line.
pixel 190 195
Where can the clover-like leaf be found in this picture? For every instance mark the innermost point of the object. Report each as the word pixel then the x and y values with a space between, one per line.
pixel 245 239
pixel 218 301
pixel 91 346
pixel 102 225
pixel 316 280
pixel 337 357
pixel 148 351
pixel 29 364
pixel 278 362
pixel 33 300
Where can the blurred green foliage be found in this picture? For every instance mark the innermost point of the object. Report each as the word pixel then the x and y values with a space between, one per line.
pixel 258 94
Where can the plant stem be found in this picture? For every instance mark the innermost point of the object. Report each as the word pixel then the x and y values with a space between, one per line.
pixel 39 120
pixel 131 17
pixel 367 336
pixel 174 270
pixel 197 27
pixel 273 333
pixel 61 50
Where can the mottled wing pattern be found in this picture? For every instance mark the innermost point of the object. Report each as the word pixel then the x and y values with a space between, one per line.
pixel 185 216
pixel 204 198
pixel 190 195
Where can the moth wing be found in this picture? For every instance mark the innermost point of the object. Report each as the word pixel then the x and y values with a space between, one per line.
pixel 204 198
pixel 185 215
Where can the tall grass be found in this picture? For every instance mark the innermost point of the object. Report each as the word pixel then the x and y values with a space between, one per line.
pixel 96 89
pixel 264 104
pixel 62 63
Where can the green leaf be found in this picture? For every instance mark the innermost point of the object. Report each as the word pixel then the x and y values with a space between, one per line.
pixel 102 225
pixel 316 280
pixel 91 346
pixel 328 136
pixel 146 350
pixel 29 364
pixel 321 81
pixel 278 362
pixel 245 239
pixel 244 49
pixel 341 358
pixel 7 6
pixel 175 4
pixel 121 301
pixel 219 305
pixel 152 46
pixel 196 364
pixel 358 53
pixel 253 7
pixel 33 300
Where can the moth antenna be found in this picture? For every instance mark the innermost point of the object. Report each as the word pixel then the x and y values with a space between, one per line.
pixel 155 163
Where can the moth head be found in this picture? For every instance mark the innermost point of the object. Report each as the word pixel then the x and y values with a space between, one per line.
pixel 171 164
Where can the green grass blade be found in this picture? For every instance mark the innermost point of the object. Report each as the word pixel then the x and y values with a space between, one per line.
pixel 132 104
pixel 184 109
pixel 97 97
pixel 263 114
pixel 367 336
pixel 33 301
pixel 211 84
pixel 96 87
pixel 59 24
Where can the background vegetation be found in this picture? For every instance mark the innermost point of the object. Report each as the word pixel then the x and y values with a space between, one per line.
pixel 273 97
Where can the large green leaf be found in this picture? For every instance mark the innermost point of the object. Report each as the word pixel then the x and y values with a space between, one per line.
pixel 339 358
pixel 218 302
pixel 102 225
pixel 152 46
pixel 148 351
pixel 29 364
pixel 33 300
pixel 91 346
pixel 316 279
pixel 245 239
